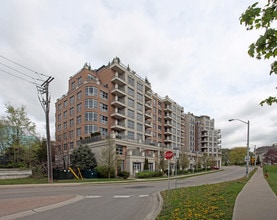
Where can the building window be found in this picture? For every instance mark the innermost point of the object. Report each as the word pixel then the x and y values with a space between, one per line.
pixel 131 92
pixel 91 116
pixel 71 111
pixel 65 125
pixel 131 124
pixel 119 149
pixel 139 87
pixel 78 132
pixel 79 95
pixel 103 119
pixel 71 145
pixel 73 85
pixel 90 129
pixel 79 107
pixel 80 81
pixel 91 91
pixel 59 127
pixel 139 97
pixel 71 122
pixel 139 127
pixel 59 117
pixel 104 131
pixel 131 135
pixel 131 113
pixel 79 119
pixel 72 100
pixel 131 102
pixel 104 95
pixel 139 117
pixel 71 134
pixel 139 107
pixel 131 81
pixel 91 103
pixel 65 114
pixel 65 147
pixel 104 107
pixel 139 136
pixel 60 107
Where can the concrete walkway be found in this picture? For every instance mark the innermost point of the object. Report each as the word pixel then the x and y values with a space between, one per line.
pixel 256 201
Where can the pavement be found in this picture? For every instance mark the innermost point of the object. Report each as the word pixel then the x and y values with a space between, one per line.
pixel 256 201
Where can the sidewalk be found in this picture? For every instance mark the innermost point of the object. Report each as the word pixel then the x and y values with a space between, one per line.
pixel 256 201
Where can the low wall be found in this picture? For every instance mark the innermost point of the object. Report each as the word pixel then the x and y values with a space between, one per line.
pixel 14 173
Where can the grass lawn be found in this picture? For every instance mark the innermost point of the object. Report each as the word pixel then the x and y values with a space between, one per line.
pixel 272 177
pixel 214 201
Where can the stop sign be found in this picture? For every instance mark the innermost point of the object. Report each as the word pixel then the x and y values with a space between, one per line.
pixel 168 155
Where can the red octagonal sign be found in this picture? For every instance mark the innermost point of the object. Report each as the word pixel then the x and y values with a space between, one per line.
pixel 168 155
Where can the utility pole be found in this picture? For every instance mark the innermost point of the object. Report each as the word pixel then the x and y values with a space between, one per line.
pixel 45 103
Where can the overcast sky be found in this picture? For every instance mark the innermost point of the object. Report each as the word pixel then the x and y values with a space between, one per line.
pixel 193 51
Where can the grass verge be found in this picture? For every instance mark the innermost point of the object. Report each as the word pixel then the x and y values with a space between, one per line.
pixel 213 201
pixel 272 177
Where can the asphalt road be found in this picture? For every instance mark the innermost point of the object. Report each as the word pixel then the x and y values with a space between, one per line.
pixel 111 201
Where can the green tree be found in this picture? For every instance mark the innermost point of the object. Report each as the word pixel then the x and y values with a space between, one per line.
pixel 146 166
pixel 265 47
pixel 237 155
pixel 184 160
pixel 107 157
pixel 19 135
pixel 83 158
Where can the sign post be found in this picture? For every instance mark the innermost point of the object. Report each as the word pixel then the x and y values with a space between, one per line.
pixel 168 155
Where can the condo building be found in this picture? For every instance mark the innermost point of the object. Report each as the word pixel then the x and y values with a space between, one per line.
pixel 120 106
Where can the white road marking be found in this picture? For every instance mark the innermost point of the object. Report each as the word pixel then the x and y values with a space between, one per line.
pixel 118 197
pixel 142 196
pixel 93 197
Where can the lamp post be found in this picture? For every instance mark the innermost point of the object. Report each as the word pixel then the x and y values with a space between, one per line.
pixel 247 150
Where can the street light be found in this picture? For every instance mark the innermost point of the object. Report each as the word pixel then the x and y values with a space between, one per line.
pixel 247 151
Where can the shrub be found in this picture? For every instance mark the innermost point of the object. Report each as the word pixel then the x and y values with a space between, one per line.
pixel 147 174
pixel 124 174
pixel 103 172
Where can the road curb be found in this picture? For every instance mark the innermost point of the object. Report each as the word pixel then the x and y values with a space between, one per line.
pixel 156 208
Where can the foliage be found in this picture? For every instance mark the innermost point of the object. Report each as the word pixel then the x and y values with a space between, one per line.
pixel 107 157
pixel 270 157
pixel 265 47
pixel 124 174
pixel 184 161
pixel 147 174
pixel 105 172
pixel 146 166
pixel 83 158
pixel 272 177
pixel 212 201
pixel 237 155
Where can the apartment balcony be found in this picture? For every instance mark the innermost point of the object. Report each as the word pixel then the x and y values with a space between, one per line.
pixel 168 132
pixel 168 140
pixel 204 140
pixel 147 85
pixel 148 133
pixel 148 124
pixel 119 126
pixel 167 124
pixel 115 66
pixel 118 90
pixel 119 102
pixel 118 79
pixel 147 115
pixel 148 105
pixel 168 116
pixel 168 109
pixel 147 96
pixel 119 114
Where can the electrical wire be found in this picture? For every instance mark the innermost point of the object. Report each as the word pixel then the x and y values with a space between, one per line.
pixel 23 66
pixel 18 76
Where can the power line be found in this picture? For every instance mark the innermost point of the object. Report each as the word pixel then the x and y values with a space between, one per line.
pixel 17 76
pixel 23 66
pixel 20 72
